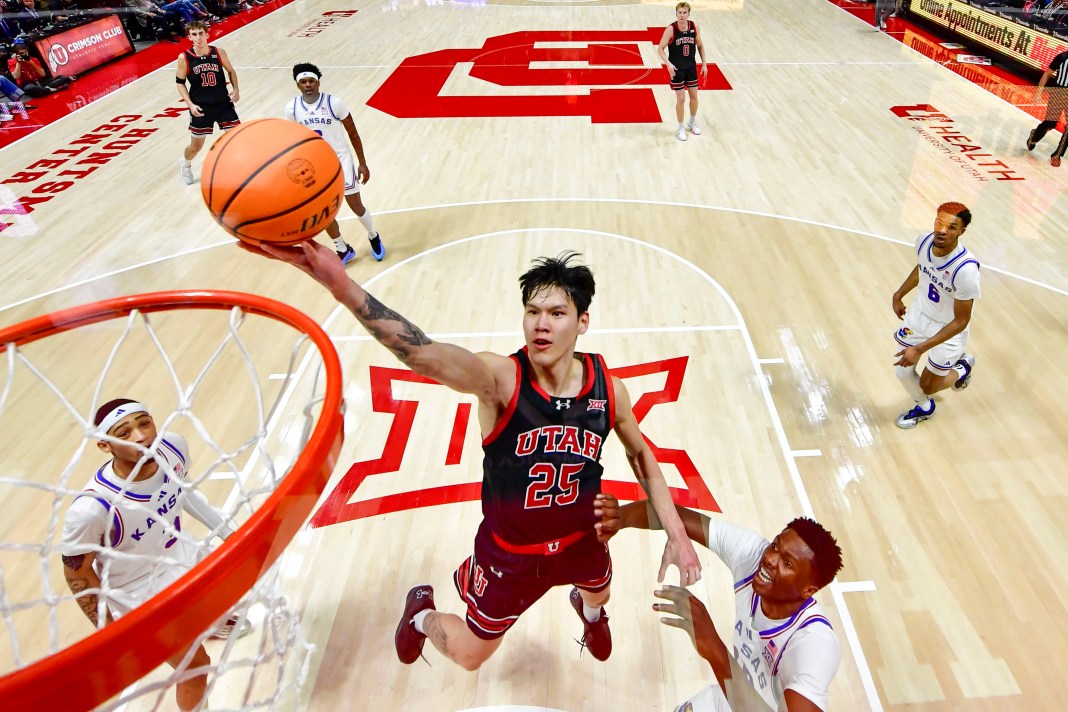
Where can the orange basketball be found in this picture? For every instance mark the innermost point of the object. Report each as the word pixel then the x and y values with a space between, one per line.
pixel 272 180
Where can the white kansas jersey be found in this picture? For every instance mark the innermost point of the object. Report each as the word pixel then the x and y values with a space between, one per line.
pixel 944 279
pixel 324 117
pixel 135 522
pixel 799 653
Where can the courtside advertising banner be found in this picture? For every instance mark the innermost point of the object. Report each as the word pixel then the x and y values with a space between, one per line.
pixel 1021 42
pixel 82 48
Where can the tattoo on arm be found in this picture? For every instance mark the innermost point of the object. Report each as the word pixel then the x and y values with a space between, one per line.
pixel 403 342
pixel 89 603
pixel 74 563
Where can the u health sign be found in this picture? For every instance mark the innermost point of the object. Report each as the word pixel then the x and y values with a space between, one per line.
pixel 1002 35
pixel 84 47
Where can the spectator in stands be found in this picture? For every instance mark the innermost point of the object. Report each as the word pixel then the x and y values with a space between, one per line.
pixel 29 18
pixel 68 11
pixel 30 75
pixel 147 21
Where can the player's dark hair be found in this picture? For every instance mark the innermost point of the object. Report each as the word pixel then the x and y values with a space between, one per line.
pixel 306 67
pixel 102 411
pixel 828 555
pixel 958 209
pixel 548 272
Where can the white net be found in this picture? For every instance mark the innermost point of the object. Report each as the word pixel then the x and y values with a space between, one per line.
pixel 241 394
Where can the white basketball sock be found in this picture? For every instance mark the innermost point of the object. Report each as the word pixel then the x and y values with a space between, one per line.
pixel 911 381
pixel 961 372
pixel 591 614
pixel 418 618
pixel 367 221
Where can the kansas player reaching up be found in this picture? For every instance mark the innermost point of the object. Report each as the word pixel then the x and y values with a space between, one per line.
pixel 327 115
pixel 937 323
pixel 123 530
pixel 784 653
pixel 544 412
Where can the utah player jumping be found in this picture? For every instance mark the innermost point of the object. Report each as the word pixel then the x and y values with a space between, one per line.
pixel 207 97
pixel 544 412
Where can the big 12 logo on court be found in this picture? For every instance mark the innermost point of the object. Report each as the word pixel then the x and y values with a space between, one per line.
pixel 619 81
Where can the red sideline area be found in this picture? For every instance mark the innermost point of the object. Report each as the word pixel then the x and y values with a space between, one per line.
pixel 101 81
pixel 1008 86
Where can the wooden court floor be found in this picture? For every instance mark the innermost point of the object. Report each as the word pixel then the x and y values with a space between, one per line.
pixel 744 284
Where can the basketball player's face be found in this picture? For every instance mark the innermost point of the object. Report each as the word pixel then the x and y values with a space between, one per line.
pixel 198 37
pixel 947 230
pixel 785 571
pixel 135 429
pixel 551 325
pixel 682 13
pixel 309 87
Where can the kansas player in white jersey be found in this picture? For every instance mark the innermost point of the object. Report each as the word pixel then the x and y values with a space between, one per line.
pixel 947 275
pixel 328 116
pixel 124 534
pixel 784 653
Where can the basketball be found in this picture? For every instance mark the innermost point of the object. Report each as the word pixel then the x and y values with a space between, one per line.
pixel 272 180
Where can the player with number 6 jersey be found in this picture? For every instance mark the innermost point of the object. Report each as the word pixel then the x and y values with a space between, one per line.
pixel 947 275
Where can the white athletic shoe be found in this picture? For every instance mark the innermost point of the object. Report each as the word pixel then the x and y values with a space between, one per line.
pixel 912 418
pixel 681 134
pixel 694 128
pixel 185 170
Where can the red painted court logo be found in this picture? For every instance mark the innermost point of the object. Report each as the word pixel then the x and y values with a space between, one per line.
pixel 343 505
pixel 609 63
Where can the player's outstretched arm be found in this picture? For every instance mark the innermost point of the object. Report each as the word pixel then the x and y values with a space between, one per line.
pixel 678 551
pixel 448 364
pixel 693 617
pixel 80 575
pixel 641 515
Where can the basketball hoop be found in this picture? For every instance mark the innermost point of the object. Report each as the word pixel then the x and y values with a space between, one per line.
pixel 102 664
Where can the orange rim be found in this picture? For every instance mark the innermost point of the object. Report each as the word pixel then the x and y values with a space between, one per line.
pixel 101 665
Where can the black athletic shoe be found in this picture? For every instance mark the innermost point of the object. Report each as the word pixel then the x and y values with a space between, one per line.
pixel 408 640
pixel 596 637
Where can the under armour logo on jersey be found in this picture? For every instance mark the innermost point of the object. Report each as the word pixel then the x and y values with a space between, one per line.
pixel 596 405
pixel 562 404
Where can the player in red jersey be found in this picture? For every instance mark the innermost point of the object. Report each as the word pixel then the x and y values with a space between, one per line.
pixel 209 100
pixel 544 413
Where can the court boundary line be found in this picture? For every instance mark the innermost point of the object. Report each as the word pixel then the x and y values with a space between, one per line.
pixel 863 669
pixel 508 201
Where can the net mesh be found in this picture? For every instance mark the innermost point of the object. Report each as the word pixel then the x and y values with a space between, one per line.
pixel 247 394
